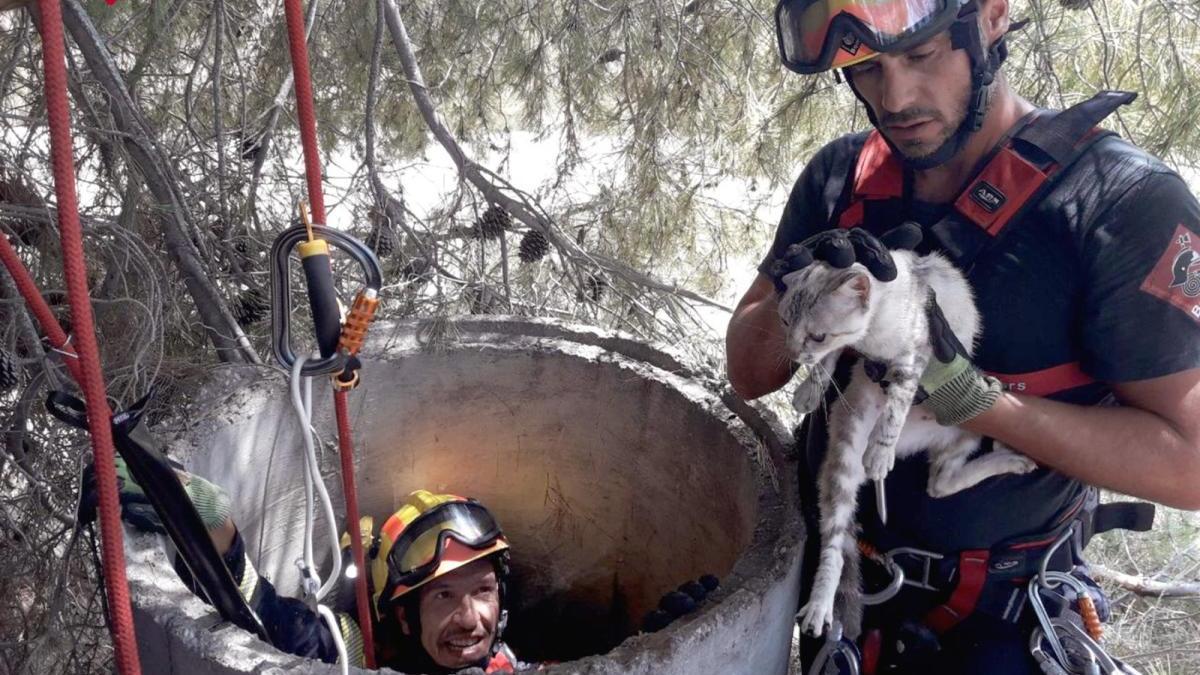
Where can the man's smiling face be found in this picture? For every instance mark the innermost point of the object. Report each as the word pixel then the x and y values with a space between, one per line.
pixel 459 615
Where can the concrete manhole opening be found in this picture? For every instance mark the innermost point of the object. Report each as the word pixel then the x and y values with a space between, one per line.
pixel 614 479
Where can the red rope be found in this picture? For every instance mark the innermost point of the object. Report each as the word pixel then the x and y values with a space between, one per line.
pixel 92 382
pixel 312 172
pixel 304 108
pixel 37 305
pixel 350 489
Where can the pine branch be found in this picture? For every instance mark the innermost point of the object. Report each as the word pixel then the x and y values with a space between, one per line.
pixel 177 221
pixel 1140 585
pixel 495 189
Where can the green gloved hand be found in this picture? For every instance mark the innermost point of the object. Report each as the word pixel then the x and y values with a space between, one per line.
pixel 211 502
pixel 951 386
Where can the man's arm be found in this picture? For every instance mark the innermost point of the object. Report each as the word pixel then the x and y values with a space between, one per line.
pixel 1148 448
pixel 755 343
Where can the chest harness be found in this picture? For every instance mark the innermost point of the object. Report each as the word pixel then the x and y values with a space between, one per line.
pixel 998 581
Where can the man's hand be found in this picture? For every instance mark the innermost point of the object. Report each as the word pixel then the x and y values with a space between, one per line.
pixel 952 387
pixel 211 502
pixel 842 248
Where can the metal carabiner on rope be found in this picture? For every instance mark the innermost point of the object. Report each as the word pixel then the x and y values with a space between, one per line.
pixel 336 343
pixel 825 662
pixel 894 569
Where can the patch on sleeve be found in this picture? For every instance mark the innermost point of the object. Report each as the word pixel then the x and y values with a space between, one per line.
pixel 1176 276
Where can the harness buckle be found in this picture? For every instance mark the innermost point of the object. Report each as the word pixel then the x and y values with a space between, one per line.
pixel 927 559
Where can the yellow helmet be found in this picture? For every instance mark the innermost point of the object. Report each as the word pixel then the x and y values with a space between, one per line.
pixel 429 536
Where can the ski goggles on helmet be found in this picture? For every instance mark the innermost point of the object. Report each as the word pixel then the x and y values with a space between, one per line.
pixel 816 35
pixel 430 540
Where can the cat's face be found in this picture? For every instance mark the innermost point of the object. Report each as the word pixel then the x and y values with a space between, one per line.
pixel 825 309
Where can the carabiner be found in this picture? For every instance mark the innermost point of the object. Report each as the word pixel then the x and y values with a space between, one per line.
pixel 893 587
pixel 321 295
pixel 825 662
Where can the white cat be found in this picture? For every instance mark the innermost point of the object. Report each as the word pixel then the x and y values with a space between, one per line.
pixel 827 310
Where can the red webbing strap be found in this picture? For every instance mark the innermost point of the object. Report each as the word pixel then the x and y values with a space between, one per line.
pixel 1046 381
pixel 877 176
pixel 972 573
pixel 92 382
pixel 1001 189
pixel 37 305
pixel 316 200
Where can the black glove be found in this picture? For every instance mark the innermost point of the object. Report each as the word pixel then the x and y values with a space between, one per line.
pixel 135 507
pixel 951 386
pixel 211 502
pixel 674 604
pixel 842 248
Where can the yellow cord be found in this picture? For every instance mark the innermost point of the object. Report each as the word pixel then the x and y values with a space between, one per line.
pixel 313 246
pixel 304 219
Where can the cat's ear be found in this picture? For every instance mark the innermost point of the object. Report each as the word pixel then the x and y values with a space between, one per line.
pixel 857 285
pixel 791 278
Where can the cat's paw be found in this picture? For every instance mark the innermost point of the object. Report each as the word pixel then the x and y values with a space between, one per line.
pixel 808 396
pixel 940 488
pixel 878 461
pixel 1020 464
pixel 815 617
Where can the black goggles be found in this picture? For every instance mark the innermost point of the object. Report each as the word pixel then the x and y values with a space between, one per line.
pixel 419 549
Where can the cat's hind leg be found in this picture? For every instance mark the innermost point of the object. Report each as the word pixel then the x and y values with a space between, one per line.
pixel 950 471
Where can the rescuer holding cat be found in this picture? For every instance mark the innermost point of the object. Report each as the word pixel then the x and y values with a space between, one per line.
pixel 1079 249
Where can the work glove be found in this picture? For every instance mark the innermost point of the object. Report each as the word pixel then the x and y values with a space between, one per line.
pixel 951 387
pixel 842 248
pixel 211 502
pixel 683 600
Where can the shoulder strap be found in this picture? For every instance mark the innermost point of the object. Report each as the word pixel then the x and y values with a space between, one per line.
pixel 1025 169
pixel 1033 158
pixel 878 175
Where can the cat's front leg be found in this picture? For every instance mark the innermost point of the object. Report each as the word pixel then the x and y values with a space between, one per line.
pixel 902 380
pixel 810 392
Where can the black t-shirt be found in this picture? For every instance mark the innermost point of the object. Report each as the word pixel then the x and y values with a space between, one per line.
pixel 1101 279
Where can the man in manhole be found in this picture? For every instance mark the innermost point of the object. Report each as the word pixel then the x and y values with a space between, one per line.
pixel 1082 253
pixel 438 570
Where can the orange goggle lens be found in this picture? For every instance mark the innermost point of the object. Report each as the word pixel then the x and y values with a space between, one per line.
pixel 815 35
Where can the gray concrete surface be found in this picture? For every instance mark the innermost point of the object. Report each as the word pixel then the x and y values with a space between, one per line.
pixel 616 470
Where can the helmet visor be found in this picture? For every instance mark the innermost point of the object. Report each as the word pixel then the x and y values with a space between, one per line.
pixel 418 550
pixel 816 35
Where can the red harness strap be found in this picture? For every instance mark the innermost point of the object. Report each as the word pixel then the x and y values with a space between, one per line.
pixel 1046 381
pixel 972 573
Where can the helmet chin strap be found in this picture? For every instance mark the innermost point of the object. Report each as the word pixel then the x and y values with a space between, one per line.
pixel 965 34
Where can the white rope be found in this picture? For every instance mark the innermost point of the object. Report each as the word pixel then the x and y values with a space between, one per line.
pixel 312 586
pixel 336 630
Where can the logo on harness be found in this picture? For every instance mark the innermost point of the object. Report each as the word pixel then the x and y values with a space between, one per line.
pixel 988 196
pixel 1176 276
pixel 1006 564
pixel 850 44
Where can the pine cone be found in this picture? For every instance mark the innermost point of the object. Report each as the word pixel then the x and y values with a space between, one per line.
pixel 382 240
pixel 251 306
pixel 416 268
pixel 493 223
pixel 10 376
pixel 594 286
pixel 534 246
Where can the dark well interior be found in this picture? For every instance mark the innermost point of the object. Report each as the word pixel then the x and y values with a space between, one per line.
pixel 612 488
